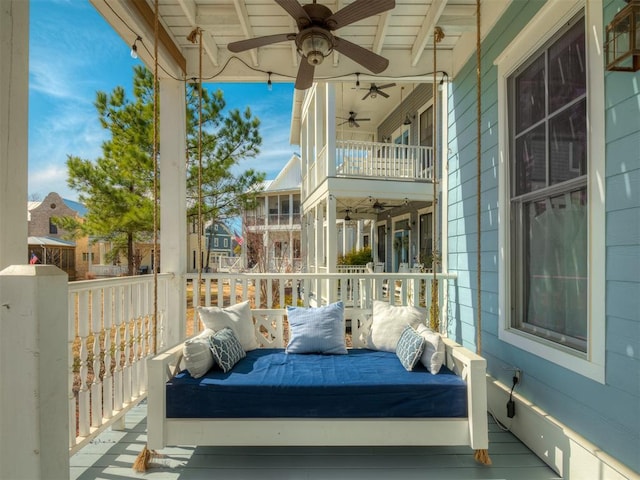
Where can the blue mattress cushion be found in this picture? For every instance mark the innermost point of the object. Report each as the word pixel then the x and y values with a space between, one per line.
pixel 269 383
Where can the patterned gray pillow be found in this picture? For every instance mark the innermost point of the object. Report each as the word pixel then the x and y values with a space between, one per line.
pixel 226 349
pixel 410 347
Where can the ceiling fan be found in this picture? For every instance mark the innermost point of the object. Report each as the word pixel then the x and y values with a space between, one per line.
pixel 314 39
pixel 352 121
pixel 381 206
pixel 375 90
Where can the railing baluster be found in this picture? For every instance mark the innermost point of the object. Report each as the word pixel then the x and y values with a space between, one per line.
pixel 119 349
pixel 83 334
pixel 96 384
pixel 71 336
pixel 107 381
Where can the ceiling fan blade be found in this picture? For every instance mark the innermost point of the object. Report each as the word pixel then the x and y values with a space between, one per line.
pixel 362 119
pixel 385 95
pixel 356 124
pixel 242 45
pixel 357 11
pixel 298 13
pixel 366 58
pixel 386 86
pixel 304 79
pixel 368 93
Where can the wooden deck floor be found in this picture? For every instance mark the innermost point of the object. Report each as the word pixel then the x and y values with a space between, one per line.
pixel 111 455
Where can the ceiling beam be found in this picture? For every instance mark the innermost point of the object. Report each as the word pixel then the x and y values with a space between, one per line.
pixel 243 16
pixel 426 31
pixel 148 16
pixel 190 10
pixel 381 32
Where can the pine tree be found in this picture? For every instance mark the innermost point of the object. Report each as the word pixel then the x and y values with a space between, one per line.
pixel 117 188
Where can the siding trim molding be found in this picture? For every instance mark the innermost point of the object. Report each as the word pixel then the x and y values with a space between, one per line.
pixel 542 27
pixel 567 452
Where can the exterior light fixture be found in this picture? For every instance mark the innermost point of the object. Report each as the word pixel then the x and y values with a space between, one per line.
pixel 269 83
pixel 407 120
pixel 314 45
pixel 134 48
pixel 622 44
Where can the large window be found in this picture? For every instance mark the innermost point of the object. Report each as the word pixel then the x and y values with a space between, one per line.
pixel 551 115
pixel 548 190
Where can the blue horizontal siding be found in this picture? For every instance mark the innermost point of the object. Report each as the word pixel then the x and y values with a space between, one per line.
pixel 605 414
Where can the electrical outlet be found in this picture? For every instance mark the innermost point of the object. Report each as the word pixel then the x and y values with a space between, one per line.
pixel 518 374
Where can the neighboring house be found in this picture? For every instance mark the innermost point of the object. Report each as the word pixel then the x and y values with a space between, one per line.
pixel 82 258
pixel 273 230
pixel 220 241
pixel 373 184
pixel 48 241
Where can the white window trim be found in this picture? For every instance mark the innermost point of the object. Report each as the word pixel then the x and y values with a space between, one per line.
pixel 551 17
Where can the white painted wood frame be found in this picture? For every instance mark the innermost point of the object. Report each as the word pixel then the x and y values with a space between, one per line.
pixel 471 431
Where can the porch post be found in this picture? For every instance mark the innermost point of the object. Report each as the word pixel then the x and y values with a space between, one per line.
pixel 34 372
pixel 173 205
pixel 14 95
pixel 318 238
pixel 331 243
pixel 330 121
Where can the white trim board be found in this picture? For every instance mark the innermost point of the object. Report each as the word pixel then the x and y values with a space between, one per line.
pixel 540 28
pixel 565 451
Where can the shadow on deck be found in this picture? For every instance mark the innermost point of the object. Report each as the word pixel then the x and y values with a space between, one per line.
pixel 111 455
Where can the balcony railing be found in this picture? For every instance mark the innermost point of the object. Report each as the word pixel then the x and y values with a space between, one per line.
pixel 386 160
pixel 371 160
pixel 274 219
pixel 110 333
pixel 110 338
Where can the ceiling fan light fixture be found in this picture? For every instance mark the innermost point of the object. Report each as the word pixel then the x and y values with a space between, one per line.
pixel 315 45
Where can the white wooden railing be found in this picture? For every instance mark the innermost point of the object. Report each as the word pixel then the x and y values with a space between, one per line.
pixel 370 160
pixel 386 160
pixel 110 337
pixel 110 334
pixel 358 290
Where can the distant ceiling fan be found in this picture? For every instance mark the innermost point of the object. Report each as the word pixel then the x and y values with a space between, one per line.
pixel 375 90
pixel 314 39
pixel 352 121
pixel 381 206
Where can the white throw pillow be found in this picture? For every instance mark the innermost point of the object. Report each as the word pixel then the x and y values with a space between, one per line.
pixel 433 355
pixel 388 322
pixel 198 359
pixel 237 317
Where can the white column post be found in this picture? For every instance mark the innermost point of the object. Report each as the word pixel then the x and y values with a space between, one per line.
pixel 332 234
pixel 318 238
pixel 173 208
pixel 14 95
pixel 34 418
pixel 330 122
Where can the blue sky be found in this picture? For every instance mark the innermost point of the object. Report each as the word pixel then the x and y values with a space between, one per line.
pixel 73 54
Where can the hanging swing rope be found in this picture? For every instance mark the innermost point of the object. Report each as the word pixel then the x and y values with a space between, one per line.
pixel 481 456
pixel 478 176
pixel 200 222
pixel 156 116
pixel 144 457
pixel 434 309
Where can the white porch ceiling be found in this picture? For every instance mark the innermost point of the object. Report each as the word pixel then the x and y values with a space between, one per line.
pixel 404 35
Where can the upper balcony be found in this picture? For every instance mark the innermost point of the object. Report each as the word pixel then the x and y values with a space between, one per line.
pixel 275 221
pixel 371 160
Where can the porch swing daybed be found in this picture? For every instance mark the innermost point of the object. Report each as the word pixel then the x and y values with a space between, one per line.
pixel 365 397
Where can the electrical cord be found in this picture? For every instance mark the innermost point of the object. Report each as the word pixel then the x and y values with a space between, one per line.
pixel 268 73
